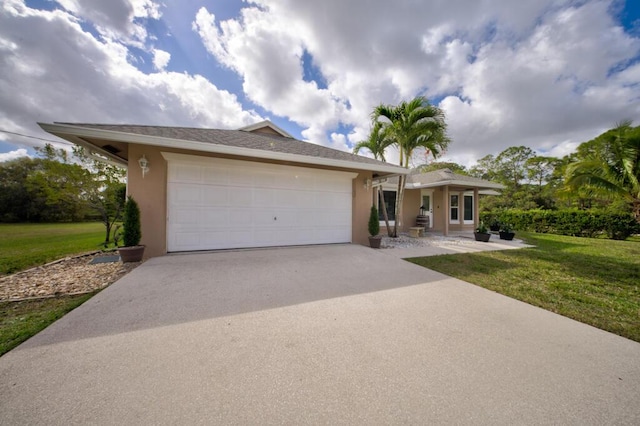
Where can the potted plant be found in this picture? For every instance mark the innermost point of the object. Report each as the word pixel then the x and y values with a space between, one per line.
pixel 131 234
pixel 506 232
pixel 482 233
pixel 374 228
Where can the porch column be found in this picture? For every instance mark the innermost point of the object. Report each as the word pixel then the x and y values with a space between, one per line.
pixel 446 210
pixel 476 211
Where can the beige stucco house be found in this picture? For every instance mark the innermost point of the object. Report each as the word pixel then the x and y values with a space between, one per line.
pixel 207 189
pixel 204 189
pixel 449 200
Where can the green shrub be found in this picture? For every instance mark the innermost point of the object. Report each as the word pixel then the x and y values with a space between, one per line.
pixel 131 233
pixel 579 223
pixel 374 222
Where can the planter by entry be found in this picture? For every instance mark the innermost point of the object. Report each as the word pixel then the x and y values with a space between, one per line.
pixel 131 254
pixel 374 242
pixel 482 237
pixel 507 235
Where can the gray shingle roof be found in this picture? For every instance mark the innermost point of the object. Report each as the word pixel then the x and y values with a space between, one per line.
pixel 444 176
pixel 235 138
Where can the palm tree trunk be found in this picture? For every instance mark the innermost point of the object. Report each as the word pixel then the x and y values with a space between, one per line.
pixel 384 210
pixel 399 198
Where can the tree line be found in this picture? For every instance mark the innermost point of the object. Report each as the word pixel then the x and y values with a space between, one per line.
pixel 58 186
pixel 602 175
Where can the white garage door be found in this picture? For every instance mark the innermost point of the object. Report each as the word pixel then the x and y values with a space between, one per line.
pixel 219 204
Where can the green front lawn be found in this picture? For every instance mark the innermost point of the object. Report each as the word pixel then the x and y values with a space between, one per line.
pixel 25 245
pixel 593 281
pixel 21 320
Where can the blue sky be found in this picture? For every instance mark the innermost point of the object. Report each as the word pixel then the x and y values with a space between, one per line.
pixel 548 74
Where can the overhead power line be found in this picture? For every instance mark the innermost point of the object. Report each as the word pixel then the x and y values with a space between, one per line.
pixel 35 137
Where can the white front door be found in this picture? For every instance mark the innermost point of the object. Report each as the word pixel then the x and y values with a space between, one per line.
pixel 426 206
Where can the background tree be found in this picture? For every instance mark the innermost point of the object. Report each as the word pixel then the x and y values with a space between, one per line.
pixel 410 126
pixel 610 165
pixel 107 191
pixel 15 199
pixel 439 165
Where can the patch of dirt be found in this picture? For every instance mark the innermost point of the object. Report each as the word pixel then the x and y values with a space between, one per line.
pixel 71 275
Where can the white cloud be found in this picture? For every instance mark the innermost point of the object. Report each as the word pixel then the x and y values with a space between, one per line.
pixel 161 59
pixel 540 74
pixel 116 19
pixel 545 73
pixel 12 155
pixel 267 55
pixel 76 77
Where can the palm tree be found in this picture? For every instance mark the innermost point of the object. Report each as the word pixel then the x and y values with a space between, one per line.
pixel 615 169
pixel 377 144
pixel 411 125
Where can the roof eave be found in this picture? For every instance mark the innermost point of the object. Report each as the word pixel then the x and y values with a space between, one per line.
pixel 75 133
pixel 485 185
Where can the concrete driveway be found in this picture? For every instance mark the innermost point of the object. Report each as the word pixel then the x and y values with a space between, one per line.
pixel 322 335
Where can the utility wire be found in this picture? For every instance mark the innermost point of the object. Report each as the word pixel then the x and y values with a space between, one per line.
pixel 35 137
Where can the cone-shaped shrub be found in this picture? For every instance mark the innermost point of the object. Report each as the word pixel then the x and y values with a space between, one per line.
pixel 131 233
pixel 374 222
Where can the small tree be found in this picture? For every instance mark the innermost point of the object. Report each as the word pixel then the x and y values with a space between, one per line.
pixel 374 222
pixel 131 233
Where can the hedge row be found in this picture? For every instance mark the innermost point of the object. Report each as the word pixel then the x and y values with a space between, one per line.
pixel 580 223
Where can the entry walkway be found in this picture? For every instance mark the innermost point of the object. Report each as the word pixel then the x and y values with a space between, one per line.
pixel 433 244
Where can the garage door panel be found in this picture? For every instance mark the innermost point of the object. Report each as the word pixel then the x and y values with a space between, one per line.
pixel 214 195
pixel 184 194
pixel 264 198
pixel 187 173
pixel 235 204
pixel 212 218
pixel 240 177
pixel 239 218
pixel 214 176
pixel 241 197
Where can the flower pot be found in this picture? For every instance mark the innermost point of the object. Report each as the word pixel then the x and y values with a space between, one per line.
pixel 480 236
pixel 507 235
pixel 374 242
pixel 131 254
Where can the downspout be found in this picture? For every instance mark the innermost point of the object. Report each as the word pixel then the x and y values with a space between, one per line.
pixel 446 210
pixel 476 210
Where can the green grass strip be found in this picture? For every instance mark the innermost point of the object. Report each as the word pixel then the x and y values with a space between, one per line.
pixel 593 281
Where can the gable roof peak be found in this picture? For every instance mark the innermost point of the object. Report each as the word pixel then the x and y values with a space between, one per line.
pixel 265 125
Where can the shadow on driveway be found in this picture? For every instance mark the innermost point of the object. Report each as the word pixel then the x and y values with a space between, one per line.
pixel 183 288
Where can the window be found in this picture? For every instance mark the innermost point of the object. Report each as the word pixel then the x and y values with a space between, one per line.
pixel 468 208
pixel 453 207
pixel 390 202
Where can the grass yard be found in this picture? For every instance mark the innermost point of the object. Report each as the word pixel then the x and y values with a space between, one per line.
pixel 25 245
pixel 593 281
pixel 21 320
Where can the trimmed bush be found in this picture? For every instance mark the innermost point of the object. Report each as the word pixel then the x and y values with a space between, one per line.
pixel 131 233
pixel 579 223
pixel 374 222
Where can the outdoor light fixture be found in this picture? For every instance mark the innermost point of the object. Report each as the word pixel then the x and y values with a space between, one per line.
pixel 144 165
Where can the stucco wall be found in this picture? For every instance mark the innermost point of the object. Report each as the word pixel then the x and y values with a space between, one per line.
pixel 410 209
pixel 412 198
pixel 151 195
pixel 362 198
